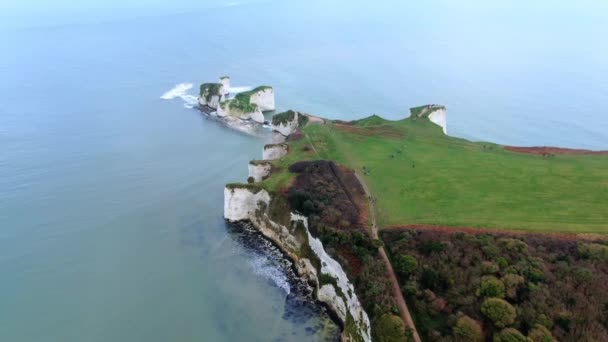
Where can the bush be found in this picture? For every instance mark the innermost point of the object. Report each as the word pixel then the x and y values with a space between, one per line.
pixel 406 265
pixel 499 311
pixel 488 267
pixel 433 280
pixel 467 329
pixel 390 328
pixel 491 287
pixel 593 251
pixel 512 283
pixel 540 334
pixel 510 335
pixel 250 180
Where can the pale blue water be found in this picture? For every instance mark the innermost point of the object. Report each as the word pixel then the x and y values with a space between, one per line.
pixel 111 198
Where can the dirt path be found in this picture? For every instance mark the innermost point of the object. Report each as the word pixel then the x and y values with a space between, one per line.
pixel 403 310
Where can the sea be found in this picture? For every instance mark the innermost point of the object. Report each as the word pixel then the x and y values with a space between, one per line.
pixel 111 182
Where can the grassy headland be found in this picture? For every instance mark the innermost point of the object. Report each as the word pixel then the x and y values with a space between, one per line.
pixel 418 175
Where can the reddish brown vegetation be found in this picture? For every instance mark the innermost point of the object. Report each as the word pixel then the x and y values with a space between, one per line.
pixel 334 202
pixel 330 194
pixel 501 232
pixel 547 150
pixel 561 284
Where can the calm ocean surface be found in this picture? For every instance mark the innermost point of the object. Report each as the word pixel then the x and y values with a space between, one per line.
pixel 111 198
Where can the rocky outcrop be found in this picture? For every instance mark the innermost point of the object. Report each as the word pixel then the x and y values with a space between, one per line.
pixel 226 109
pixel 290 232
pixel 274 151
pixel 225 82
pixel 211 94
pixel 249 105
pixel 287 122
pixel 257 116
pixel 259 169
pixel 263 97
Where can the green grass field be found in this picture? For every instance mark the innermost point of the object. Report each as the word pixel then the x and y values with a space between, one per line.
pixel 420 176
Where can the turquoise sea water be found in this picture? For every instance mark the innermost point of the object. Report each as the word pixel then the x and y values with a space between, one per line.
pixel 111 198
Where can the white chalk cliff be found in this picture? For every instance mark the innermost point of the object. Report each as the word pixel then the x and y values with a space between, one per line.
pixel 435 113
pixel 253 205
pixel 290 232
pixel 225 82
pixel 259 170
pixel 287 125
pixel 274 151
pixel 440 118
pixel 263 98
pixel 248 105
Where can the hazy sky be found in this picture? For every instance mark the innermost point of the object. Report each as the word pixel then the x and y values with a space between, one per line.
pixel 27 13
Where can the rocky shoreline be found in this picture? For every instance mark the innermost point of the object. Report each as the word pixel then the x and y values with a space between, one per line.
pixel 301 292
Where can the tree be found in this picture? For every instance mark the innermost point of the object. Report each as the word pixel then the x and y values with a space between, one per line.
pixel 390 328
pixel 512 283
pixel 540 334
pixel 499 311
pixel 406 265
pixel 491 287
pixel 510 335
pixel 467 329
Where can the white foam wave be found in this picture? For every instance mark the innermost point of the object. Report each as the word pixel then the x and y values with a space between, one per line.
pixel 262 267
pixel 189 101
pixel 181 91
pixel 177 91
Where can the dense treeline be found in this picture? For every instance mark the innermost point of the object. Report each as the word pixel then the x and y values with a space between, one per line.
pixel 497 287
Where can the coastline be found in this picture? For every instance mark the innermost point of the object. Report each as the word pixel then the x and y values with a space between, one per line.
pixel 292 266
pixel 257 202
pixel 299 286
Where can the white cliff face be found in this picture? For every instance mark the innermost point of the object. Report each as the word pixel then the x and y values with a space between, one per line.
pixel 225 82
pixel 259 170
pixel 257 116
pixel 287 128
pixel 214 101
pixel 264 99
pixel 241 204
pixel 327 294
pixel 221 110
pixel 440 118
pixel 332 268
pixel 224 110
pixel 274 151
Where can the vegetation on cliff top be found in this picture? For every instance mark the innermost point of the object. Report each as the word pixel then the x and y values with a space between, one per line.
pixel 423 111
pixel 288 116
pixel 242 101
pixel 208 90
